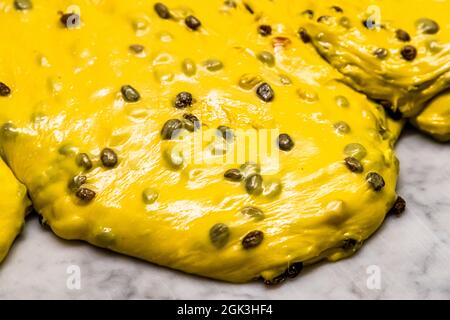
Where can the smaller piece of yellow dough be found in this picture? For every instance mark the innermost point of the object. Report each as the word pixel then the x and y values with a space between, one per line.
pixel 402 85
pixel 13 206
pixel 435 118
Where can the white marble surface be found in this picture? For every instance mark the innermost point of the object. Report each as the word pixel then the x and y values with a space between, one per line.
pixel 411 252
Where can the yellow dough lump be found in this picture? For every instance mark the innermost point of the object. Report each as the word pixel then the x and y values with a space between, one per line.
pixel 13 206
pixel 401 60
pixel 435 118
pixel 104 103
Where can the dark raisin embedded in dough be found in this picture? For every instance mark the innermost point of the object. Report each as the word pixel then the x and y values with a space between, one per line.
pixel 355 150
pixel 375 180
pixel 149 196
pixel 225 132
pixel 4 90
pixel 249 81
pixel 353 165
pixel 219 235
pixel 345 22
pixel 337 9
pixel 265 92
pixel 381 53
pixel 137 48
pixel 253 184
pixel 342 101
pixel 230 3
pixel 70 20
pixel 324 19
pixel 267 58
pixel 398 207
pixel 85 194
pixel 369 24
pixel 192 23
pixel 276 280
pixel 349 244
pixel 427 26
pixel 76 182
pixel 402 35
pixel 253 212
pixel 68 149
pixel 213 65
pixel 23 4
pixel 304 35
pixel 342 127
pixel 171 128
pixel 109 158
pixel 294 269
pixel 130 94
pixel 249 168
pixel 183 100
pixel 291 272
pixel 252 239
pixel 265 30
pixel 191 122
pixel 308 13
pixel 84 161
pixel 233 175
pixel 189 67
pixel 161 10
pixel 409 53
pixel 285 142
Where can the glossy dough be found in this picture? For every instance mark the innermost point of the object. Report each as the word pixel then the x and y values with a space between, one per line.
pixel 66 99
pixel 405 86
pixel 435 119
pixel 12 208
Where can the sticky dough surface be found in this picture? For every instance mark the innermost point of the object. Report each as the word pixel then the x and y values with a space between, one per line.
pixel 435 118
pixel 407 85
pixel 66 99
pixel 12 208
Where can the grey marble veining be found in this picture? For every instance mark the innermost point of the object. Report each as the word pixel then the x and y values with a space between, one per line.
pixel 411 255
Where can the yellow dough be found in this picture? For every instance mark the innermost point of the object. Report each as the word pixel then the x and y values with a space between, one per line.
pixel 87 75
pixel 13 206
pixel 402 60
pixel 435 119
